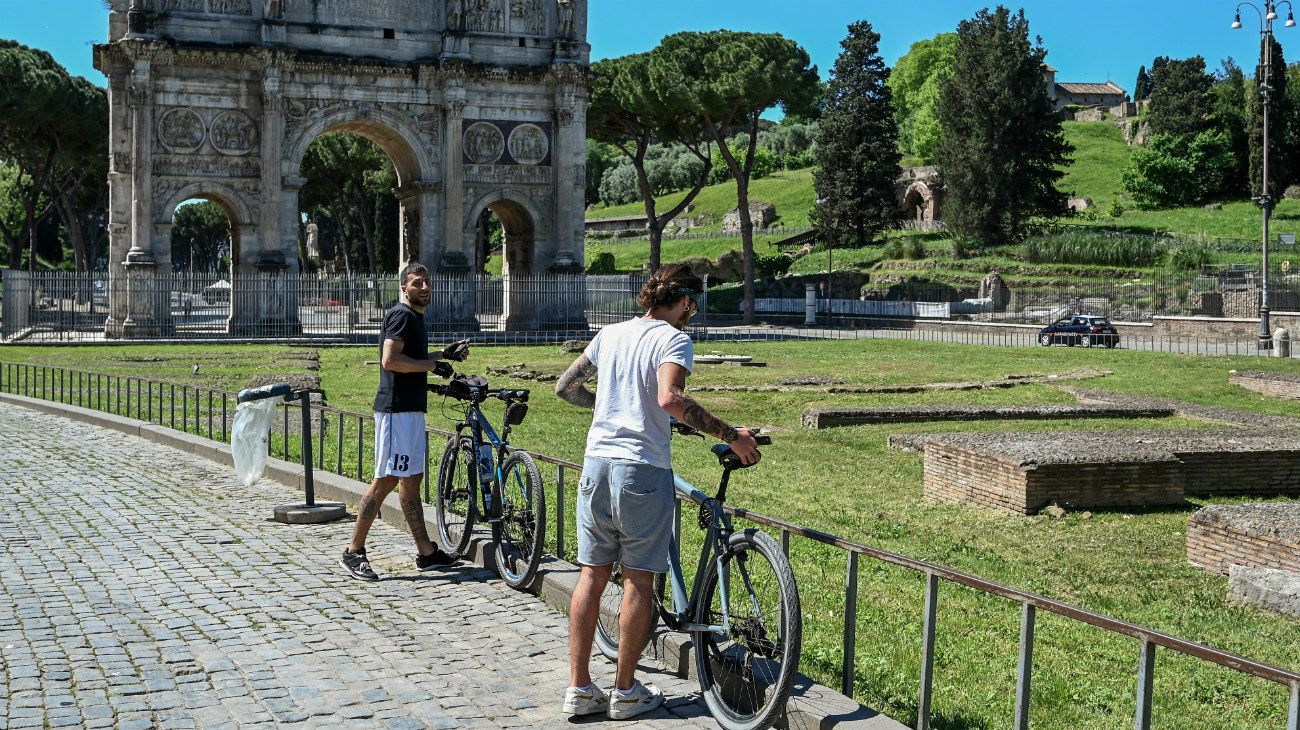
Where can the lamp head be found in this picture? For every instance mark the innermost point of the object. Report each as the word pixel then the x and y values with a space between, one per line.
pixel 1272 15
pixel 1290 19
pixel 1236 21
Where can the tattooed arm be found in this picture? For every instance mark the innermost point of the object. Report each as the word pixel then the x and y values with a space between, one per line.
pixel 571 387
pixel 673 398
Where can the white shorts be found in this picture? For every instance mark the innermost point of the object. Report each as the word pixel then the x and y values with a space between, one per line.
pixel 399 444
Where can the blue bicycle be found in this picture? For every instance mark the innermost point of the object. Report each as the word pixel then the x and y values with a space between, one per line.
pixel 481 478
pixel 742 611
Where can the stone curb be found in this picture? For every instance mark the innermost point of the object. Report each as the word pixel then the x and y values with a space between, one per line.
pixel 811 705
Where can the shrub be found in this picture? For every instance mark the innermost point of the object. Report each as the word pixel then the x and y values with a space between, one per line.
pixel 1190 258
pixel 619 185
pixel 910 248
pixel 603 263
pixel 1116 209
pixel 1093 248
pixel 775 265
pixel 1171 171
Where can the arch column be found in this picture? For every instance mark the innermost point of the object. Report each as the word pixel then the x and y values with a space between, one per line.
pixel 145 304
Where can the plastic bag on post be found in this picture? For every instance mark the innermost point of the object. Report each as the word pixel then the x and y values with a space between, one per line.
pixel 251 437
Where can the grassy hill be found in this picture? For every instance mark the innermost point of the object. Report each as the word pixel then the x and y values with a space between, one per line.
pixel 1095 172
pixel 791 191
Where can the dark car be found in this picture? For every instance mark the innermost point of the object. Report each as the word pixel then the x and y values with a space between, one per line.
pixel 1081 329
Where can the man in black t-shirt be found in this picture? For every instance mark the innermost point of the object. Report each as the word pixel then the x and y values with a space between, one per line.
pixel 400 405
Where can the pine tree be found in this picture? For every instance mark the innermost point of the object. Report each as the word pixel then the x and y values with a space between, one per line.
pixel 1142 89
pixel 857 147
pixel 1181 101
pixel 1279 123
pixel 1002 146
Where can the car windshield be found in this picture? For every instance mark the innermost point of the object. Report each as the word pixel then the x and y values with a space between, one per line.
pixel 1101 322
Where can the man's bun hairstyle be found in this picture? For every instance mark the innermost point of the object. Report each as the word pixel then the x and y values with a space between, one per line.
pixel 669 285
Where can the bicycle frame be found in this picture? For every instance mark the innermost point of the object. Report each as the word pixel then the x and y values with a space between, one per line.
pixel 719 530
pixel 481 431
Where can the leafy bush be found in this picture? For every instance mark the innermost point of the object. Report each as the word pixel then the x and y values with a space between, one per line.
pixel 764 160
pixel 1116 209
pixel 775 265
pixel 1171 171
pixel 1092 248
pixel 911 248
pixel 619 185
pixel 1190 258
pixel 603 263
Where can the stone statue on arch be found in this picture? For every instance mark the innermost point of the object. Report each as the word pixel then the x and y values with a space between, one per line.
pixel 565 22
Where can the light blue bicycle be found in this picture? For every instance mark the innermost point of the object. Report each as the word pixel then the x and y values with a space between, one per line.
pixel 742 611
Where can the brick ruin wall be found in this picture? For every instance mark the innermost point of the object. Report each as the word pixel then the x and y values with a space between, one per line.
pixel 1271 384
pixel 1217 547
pixel 966 476
pixel 970 476
pixel 1258 473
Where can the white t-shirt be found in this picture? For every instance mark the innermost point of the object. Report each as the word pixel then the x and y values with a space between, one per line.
pixel 628 422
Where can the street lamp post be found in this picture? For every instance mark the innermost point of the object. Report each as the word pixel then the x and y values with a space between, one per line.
pixel 1265 199
pixel 830 270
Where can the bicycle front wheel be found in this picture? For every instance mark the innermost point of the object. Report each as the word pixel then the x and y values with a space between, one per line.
pixel 454 498
pixel 520 534
pixel 746 675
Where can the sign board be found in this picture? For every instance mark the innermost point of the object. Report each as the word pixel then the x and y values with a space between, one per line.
pixel 1286 239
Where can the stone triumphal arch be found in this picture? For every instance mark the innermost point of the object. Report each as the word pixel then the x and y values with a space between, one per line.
pixel 479 104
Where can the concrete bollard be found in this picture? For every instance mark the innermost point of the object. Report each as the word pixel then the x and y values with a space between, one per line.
pixel 809 304
pixel 1281 343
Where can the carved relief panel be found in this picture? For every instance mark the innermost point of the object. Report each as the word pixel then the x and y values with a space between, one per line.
pixel 183 131
pixel 507 153
pixel 528 17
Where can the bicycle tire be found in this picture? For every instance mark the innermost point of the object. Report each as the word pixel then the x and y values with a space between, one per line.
pixel 729 667
pixel 611 603
pixel 455 509
pixel 521 499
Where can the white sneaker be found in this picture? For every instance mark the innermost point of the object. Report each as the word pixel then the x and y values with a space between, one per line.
pixel 589 701
pixel 642 699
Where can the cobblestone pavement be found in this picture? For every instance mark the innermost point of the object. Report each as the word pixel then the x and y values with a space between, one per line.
pixel 141 587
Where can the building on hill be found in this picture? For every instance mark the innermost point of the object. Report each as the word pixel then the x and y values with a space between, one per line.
pixel 1066 93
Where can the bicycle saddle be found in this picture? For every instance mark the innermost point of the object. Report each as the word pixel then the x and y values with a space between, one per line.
pixel 728 458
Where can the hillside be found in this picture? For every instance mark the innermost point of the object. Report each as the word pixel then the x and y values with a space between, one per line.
pixel 791 191
pixel 1095 172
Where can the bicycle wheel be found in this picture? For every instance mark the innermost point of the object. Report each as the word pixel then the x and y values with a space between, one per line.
pixel 611 604
pixel 520 535
pixel 454 500
pixel 746 675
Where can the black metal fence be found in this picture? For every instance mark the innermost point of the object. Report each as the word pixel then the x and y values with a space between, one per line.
pixel 56 306
pixel 345 439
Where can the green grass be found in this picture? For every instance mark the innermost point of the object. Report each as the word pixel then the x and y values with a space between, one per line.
pixel 1127 564
pixel 631 256
pixel 790 191
pixel 1099 156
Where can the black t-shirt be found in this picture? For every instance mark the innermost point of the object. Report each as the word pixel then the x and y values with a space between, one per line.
pixel 403 392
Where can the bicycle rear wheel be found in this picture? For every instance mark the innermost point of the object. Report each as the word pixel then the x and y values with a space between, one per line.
pixel 746 675
pixel 520 535
pixel 611 604
pixel 457 489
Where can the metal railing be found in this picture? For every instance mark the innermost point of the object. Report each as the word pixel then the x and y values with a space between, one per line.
pixel 156 402
pixel 52 306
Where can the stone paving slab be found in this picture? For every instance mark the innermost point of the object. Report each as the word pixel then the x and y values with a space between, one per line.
pixel 141 587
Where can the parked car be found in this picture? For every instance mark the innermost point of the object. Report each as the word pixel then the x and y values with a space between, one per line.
pixel 1081 329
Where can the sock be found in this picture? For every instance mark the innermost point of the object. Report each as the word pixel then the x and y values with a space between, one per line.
pixel 588 688
pixel 625 692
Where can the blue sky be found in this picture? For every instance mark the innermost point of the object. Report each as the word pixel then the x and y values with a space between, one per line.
pixel 1088 41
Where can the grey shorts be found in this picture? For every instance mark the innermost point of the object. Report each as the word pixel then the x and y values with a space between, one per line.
pixel 625 514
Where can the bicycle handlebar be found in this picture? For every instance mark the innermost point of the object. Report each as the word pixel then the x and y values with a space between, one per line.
pixel 682 429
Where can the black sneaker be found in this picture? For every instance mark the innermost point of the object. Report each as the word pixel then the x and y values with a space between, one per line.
pixel 358 565
pixel 435 559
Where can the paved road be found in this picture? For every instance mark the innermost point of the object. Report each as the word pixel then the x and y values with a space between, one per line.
pixel 140 587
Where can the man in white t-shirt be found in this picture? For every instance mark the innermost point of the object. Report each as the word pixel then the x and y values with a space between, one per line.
pixel 626 496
